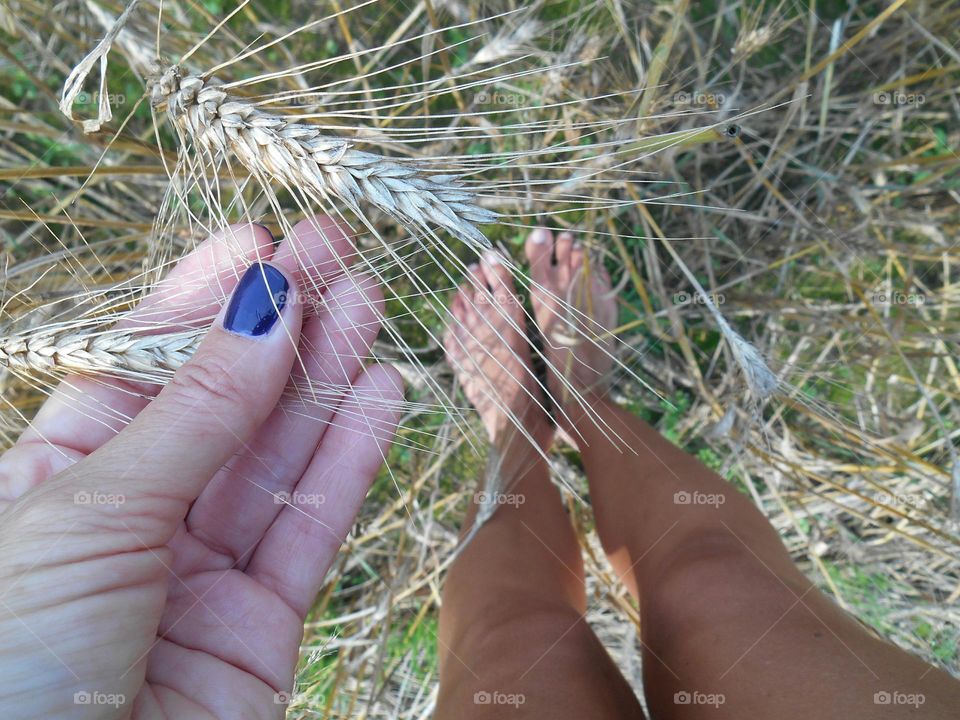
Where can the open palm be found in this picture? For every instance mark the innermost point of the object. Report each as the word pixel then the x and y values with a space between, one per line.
pixel 158 556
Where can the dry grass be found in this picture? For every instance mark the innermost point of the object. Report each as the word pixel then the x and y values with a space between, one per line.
pixel 824 230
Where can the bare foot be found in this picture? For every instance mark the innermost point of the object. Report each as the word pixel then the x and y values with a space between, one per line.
pixel 489 351
pixel 573 309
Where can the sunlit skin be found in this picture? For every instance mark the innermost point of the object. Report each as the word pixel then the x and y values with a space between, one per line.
pixel 730 628
pixel 151 572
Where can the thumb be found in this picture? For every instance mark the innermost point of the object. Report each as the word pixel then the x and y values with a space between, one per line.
pixel 213 405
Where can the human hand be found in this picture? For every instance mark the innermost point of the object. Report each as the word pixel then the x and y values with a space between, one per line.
pixel 152 572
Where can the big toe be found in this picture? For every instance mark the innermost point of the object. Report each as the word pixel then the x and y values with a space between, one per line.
pixel 463 307
pixel 548 274
pixel 539 250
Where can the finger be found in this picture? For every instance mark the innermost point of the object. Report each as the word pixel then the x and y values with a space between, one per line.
pixel 240 503
pixel 297 550
pixel 83 413
pixel 209 410
pixel 317 251
pixel 456 306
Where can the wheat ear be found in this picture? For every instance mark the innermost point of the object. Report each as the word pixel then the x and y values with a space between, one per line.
pixel 300 156
pixel 121 352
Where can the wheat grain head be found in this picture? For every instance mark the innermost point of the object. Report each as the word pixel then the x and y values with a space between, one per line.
pixel 299 155
pixel 117 352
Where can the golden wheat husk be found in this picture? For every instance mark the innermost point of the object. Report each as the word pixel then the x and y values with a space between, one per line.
pixel 300 156
pixel 77 351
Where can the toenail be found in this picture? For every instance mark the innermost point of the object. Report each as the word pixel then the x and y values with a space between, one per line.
pixel 539 236
pixel 492 258
pixel 473 267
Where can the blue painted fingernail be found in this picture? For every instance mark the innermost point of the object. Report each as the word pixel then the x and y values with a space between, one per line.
pixel 257 301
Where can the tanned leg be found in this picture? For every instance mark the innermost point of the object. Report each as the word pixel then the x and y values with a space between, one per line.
pixel 731 628
pixel 513 640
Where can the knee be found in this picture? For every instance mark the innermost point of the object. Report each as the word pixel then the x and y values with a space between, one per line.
pixel 713 575
pixel 498 638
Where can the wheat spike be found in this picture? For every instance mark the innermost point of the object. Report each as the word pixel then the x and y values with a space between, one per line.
pixel 119 352
pixel 300 156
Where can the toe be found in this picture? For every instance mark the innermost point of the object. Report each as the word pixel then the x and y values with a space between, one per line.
pixel 500 279
pixel 456 307
pixel 539 250
pixel 544 286
pixel 475 287
pixel 462 306
pixel 575 257
pixel 573 273
pixel 496 274
pixel 564 246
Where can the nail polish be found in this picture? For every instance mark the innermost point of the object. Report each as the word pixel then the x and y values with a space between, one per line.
pixel 257 301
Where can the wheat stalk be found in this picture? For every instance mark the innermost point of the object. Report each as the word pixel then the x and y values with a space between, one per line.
pixel 300 156
pixel 75 350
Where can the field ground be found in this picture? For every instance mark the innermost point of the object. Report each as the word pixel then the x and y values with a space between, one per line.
pixel 822 217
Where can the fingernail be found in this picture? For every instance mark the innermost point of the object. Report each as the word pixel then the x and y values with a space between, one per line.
pixel 257 301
